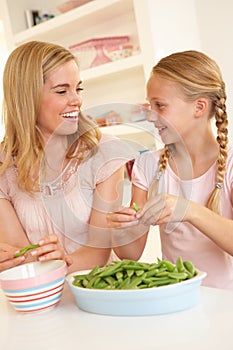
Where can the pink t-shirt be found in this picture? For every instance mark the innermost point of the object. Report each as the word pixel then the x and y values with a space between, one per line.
pixel 184 239
pixel 64 205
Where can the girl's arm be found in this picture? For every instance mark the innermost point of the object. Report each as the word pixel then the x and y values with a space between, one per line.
pixel 126 219
pixel 165 208
pixel 218 228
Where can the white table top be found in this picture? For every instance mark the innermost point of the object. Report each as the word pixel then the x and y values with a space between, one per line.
pixel 206 326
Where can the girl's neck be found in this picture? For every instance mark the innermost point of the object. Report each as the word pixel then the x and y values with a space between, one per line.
pixel 193 161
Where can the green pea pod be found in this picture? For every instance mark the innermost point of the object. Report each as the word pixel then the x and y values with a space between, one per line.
pixel 190 268
pixel 178 275
pixel 170 266
pixel 25 249
pixel 180 265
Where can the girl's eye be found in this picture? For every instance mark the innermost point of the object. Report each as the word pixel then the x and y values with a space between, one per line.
pixel 157 105
pixel 79 89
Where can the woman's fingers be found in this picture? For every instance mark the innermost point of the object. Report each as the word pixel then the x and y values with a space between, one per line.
pixel 8 261
pixel 49 249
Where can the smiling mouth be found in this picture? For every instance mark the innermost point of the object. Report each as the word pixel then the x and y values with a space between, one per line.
pixel 71 115
pixel 161 129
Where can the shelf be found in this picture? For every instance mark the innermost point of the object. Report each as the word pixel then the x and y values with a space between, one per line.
pixel 95 12
pixel 113 67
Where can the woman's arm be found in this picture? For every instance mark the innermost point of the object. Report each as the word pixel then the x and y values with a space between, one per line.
pixel 7 259
pixel 11 230
pixel 107 197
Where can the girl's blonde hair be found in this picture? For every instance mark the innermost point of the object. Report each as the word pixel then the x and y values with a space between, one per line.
pixel 198 76
pixel 23 79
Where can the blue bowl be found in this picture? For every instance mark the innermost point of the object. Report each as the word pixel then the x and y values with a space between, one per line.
pixel 138 302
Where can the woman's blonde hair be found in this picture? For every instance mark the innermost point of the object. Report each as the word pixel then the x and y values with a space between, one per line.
pixel 199 76
pixel 23 79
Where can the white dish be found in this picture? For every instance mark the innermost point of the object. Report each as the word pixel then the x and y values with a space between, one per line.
pixel 138 302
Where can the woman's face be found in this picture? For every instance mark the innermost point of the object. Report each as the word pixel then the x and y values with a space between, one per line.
pixel 61 101
pixel 172 115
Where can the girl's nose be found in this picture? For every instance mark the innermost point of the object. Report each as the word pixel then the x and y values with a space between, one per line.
pixel 152 116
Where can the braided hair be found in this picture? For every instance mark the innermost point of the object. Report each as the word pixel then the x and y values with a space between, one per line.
pixel 198 76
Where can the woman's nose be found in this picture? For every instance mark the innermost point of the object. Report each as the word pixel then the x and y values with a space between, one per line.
pixel 75 99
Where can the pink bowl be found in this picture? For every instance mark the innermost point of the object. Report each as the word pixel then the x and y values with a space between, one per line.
pixel 34 286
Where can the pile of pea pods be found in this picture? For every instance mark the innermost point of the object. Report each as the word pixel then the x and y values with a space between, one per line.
pixel 130 274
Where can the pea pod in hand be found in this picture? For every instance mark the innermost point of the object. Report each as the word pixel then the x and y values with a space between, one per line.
pixel 136 207
pixel 25 249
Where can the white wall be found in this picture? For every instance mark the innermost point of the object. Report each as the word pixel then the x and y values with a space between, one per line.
pixel 215 20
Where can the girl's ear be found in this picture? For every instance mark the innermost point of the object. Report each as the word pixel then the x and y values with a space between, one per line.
pixel 201 106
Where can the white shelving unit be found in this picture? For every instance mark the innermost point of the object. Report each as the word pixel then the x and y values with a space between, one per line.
pixel 118 81
pixel 98 18
pixel 156 27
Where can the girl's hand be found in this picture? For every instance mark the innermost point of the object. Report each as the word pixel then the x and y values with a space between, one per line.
pixel 163 209
pixel 123 218
pixel 7 259
pixel 50 249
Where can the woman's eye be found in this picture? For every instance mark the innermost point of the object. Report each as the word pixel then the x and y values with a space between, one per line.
pixel 79 89
pixel 61 92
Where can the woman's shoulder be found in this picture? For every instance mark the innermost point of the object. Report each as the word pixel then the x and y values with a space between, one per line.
pixel 111 154
pixel 112 147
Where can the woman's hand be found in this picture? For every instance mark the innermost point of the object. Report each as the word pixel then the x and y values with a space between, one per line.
pixel 163 209
pixel 7 259
pixel 50 249
pixel 123 218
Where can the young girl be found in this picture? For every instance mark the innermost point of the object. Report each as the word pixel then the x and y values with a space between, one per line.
pixel 58 175
pixel 187 187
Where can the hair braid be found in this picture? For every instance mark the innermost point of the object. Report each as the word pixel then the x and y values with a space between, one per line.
pixel 162 165
pixel 213 202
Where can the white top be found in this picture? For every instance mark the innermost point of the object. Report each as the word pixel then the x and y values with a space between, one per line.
pixel 63 206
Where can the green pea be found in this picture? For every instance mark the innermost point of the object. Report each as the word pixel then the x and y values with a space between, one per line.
pixel 25 249
pixel 136 207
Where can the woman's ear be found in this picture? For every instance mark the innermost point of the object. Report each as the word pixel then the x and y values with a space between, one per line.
pixel 201 106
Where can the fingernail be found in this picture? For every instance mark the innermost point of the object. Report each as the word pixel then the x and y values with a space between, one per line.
pixel 34 253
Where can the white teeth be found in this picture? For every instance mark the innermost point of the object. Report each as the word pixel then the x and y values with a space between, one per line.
pixel 72 115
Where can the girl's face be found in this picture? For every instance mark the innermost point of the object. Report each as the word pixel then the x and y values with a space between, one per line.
pixel 173 116
pixel 61 101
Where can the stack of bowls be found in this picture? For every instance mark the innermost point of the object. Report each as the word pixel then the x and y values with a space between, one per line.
pixel 34 286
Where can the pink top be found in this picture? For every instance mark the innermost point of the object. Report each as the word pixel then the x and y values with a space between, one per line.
pixel 64 207
pixel 185 240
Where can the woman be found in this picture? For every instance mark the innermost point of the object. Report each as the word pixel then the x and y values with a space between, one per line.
pixel 190 182
pixel 58 176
